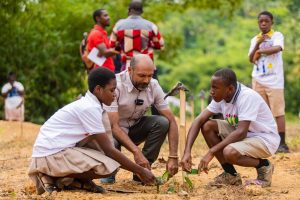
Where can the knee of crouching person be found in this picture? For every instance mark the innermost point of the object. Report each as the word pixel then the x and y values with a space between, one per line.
pixel 230 154
pixel 206 127
pixel 163 123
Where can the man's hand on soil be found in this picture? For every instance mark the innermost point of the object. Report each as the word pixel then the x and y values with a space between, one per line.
pixel 140 159
pixel 172 166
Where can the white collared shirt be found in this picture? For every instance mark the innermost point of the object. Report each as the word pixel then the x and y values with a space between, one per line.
pixel 69 125
pixel 124 103
pixel 248 105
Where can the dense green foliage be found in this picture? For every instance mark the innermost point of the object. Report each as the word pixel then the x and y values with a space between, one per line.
pixel 40 41
pixel 211 41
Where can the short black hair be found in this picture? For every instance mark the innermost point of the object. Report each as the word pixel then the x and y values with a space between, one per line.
pixel 265 13
pixel 99 76
pixel 97 13
pixel 228 76
pixel 136 6
pixel 11 74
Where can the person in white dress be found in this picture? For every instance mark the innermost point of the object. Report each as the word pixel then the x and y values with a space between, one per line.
pixel 13 92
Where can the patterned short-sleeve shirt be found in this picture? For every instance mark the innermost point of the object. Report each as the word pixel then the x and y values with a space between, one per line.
pixel 135 35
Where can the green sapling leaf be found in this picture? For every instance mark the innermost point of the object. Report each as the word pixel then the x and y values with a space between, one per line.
pixel 160 180
pixel 188 181
pixel 193 171
pixel 166 176
pixel 171 189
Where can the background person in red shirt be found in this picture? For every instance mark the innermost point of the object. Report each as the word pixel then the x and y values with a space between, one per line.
pixel 98 38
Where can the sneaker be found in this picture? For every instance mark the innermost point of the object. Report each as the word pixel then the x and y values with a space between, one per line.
pixel 108 180
pixel 264 175
pixel 226 179
pixel 283 148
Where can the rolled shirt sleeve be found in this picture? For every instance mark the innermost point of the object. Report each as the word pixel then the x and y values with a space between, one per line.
pixel 158 41
pixel 6 88
pixel 159 102
pixel 214 107
pixel 279 40
pixel 248 108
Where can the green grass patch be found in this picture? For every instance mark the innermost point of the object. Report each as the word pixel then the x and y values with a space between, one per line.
pixel 290 117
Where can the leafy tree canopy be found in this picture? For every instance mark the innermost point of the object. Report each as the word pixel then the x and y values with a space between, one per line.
pixel 40 41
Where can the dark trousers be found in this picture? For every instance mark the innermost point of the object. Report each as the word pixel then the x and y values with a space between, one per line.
pixel 152 130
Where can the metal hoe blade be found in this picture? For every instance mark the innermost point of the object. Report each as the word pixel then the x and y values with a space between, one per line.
pixel 175 90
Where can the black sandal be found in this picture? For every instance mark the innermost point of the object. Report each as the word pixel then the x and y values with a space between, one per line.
pixel 46 182
pixel 87 185
pixel 90 186
pixel 63 182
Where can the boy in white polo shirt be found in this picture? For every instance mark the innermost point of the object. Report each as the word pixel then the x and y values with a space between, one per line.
pixel 246 137
pixel 75 145
pixel 267 76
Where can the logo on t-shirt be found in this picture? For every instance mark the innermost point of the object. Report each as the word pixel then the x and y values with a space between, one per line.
pixel 233 120
pixel 265 66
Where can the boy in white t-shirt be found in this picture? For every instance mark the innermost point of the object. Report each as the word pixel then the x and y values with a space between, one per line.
pixel 75 145
pixel 13 92
pixel 267 76
pixel 246 137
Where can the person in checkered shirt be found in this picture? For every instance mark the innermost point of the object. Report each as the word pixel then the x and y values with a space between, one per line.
pixel 135 35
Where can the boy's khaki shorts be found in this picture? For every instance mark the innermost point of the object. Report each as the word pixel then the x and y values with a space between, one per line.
pixel 252 147
pixel 273 97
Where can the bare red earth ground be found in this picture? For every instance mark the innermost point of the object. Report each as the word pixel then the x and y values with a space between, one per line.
pixel 15 152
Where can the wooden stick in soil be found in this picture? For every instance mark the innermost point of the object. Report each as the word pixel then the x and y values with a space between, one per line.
pixel 182 125
pixel 192 109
